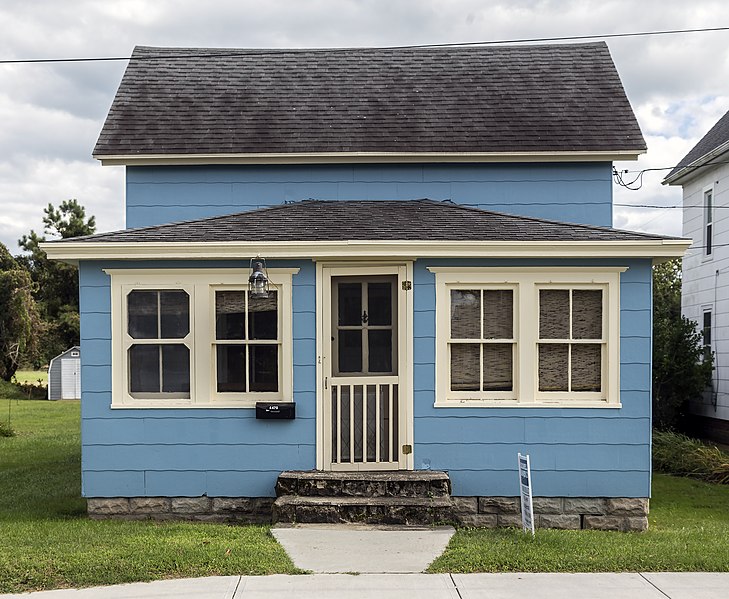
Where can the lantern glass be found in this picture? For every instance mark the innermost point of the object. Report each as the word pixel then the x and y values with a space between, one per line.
pixel 258 281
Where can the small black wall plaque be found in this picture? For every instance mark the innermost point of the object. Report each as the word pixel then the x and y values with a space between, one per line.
pixel 275 410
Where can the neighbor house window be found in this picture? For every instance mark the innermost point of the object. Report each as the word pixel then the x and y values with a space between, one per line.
pixel 706 332
pixel 708 221
pixel 527 336
pixel 197 338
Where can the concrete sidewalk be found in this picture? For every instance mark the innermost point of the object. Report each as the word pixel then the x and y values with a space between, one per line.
pixel 657 585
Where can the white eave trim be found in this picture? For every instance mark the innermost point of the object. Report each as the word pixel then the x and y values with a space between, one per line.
pixel 695 168
pixel 354 157
pixel 70 251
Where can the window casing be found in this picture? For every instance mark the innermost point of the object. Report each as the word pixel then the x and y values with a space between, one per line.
pixel 708 222
pixel 527 337
pixel 194 338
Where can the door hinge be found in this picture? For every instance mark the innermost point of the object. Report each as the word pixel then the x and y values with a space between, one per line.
pixel 407 449
pixel 407 285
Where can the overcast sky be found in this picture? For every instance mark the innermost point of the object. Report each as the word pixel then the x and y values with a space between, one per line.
pixel 51 114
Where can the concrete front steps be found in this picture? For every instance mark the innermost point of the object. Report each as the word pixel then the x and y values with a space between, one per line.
pixel 398 497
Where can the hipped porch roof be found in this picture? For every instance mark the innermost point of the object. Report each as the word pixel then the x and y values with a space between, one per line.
pixel 314 228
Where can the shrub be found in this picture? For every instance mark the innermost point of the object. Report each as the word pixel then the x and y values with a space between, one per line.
pixel 6 430
pixel 680 455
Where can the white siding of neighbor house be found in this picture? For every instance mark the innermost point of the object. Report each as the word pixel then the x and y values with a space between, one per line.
pixel 706 279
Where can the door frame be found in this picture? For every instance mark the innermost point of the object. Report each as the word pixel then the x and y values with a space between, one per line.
pixel 324 273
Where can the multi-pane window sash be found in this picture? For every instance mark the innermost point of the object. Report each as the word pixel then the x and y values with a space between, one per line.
pixel 482 343
pixel 173 312
pixel 158 353
pixel 572 340
pixel 247 343
pixel 579 340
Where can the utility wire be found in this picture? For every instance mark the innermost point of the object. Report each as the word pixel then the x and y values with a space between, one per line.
pixel 261 52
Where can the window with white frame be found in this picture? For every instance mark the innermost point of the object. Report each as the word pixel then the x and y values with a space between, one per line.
pixel 196 338
pixel 481 343
pixel 708 221
pixel 528 336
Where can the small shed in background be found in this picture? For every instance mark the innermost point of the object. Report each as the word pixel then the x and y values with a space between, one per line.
pixel 64 375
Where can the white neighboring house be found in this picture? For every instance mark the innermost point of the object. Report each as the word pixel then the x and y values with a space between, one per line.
pixel 64 375
pixel 704 176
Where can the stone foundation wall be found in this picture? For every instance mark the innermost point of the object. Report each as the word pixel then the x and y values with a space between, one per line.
pixel 571 513
pixel 245 510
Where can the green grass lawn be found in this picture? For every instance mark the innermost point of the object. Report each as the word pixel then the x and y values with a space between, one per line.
pixel 33 377
pixel 689 531
pixel 47 542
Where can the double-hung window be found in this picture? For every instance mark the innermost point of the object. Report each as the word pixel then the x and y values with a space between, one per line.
pixel 197 338
pixel 708 222
pixel 527 337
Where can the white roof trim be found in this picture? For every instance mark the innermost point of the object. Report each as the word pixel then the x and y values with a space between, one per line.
pixel 693 168
pixel 350 157
pixel 70 251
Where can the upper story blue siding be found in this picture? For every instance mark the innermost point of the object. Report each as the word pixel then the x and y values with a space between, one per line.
pixel 570 192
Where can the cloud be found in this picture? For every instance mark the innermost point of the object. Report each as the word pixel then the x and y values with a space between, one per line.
pixel 51 114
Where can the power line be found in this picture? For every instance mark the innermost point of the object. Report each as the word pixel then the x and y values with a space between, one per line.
pixel 263 52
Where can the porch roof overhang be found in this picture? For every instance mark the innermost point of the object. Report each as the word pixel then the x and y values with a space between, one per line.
pixel 73 252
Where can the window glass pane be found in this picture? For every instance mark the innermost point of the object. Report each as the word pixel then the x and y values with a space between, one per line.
pixel 263 367
pixel 263 317
pixel 498 366
pixel 498 314
pixel 144 369
pixel 380 350
pixel 231 368
pixel 230 314
pixel 174 314
pixel 465 366
pixel 553 367
pixel 587 314
pixel 142 314
pixel 586 367
pixel 350 303
pixel 175 368
pixel 465 314
pixel 554 314
pixel 707 328
pixel 379 303
pixel 350 351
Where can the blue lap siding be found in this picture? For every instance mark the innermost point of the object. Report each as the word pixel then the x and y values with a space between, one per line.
pixel 226 452
pixel 571 192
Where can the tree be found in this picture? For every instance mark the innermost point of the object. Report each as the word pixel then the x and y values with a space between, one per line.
pixel 682 367
pixel 19 318
pixel 57 282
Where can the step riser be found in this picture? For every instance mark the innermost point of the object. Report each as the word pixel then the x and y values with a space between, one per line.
pixel 311 487
pixel 402 515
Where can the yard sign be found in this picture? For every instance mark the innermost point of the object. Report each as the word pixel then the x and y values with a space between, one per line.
pixel 525 490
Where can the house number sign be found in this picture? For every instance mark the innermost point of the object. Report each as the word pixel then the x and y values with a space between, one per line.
pixel 525 490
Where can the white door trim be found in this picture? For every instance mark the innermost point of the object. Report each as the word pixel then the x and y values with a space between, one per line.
pixel 324 273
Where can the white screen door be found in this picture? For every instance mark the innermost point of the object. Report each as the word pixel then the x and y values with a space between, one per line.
pixel 365 411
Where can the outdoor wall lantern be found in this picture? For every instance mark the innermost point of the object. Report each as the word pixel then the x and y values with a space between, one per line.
pixel 258 281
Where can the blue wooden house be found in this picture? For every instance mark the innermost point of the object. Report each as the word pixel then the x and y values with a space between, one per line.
pixel 373 276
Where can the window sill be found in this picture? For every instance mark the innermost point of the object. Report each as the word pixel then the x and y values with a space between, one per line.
pixel 496 403
pixel 248 404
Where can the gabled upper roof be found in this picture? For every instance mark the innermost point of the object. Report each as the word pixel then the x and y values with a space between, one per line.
pixel 714 143
pixel 366 229
pixel 467 102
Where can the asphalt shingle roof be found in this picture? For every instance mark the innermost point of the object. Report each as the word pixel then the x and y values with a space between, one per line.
pixel 368 220
pixel 477 99
pixel 717 136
